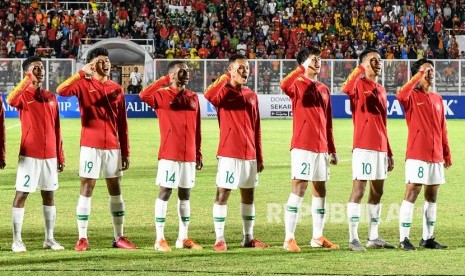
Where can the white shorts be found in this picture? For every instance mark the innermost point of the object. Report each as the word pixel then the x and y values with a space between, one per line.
pixel 236 173
pixel 369 164
pixel 174 174
pixel 92 161
pixel 308 165
pixel 36 173
pixel 426 173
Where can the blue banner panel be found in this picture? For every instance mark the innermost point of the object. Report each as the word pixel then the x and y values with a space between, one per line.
pixel 69 108
pixel 454 107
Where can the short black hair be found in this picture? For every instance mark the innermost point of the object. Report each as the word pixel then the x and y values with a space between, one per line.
pixel 366 52
pixel 30 60
pixel 173 64
pixel 95 53
pixel 306 52
pixel 416 65
pixel 235 57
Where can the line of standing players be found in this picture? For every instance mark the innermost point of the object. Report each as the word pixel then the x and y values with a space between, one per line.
pixel 105 148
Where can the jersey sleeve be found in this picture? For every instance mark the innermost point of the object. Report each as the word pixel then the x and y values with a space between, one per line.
pixel 70 87
pixel 348 87
pixel 58 137
pixel 14 98
pixel 403 95
pixel 148 94
pixel 123 132
pixel 214 92
pixel 198 135
pixel 2 131
pixel 329 127
pixel 287 84
pixel 258 134
pixel 445 140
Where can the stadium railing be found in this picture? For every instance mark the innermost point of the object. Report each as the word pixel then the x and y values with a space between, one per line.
pixel 265 75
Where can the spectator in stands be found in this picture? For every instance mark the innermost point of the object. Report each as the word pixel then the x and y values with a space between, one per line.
pixel 136 81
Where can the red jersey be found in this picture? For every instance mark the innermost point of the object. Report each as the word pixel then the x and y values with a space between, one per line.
pixel 368 103
pixel 311 112
pixel 103 112
pixel 239 120
pixel 2 131
pixel 40 121
pixel 427 130
pixel 178 118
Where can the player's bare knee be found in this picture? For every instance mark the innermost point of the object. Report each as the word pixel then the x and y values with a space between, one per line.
pixel 184 194
pixel 247 195
pixel 20 199
pixel 319 189
pixel 299 187
pixel 222 196
pixel 165 193
pixel 47 198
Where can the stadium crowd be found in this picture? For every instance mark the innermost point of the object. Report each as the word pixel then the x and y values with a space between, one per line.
pixel 262 29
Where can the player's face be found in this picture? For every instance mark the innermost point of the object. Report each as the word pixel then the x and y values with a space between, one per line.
pixel 375 62
pixel 38 70
pixel 315 64
pixel 429 72
pixel 240 71
pixel 102 66
pixel 181 74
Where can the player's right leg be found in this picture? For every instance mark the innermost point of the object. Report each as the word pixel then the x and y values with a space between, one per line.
pixel 354 212
pixel 220 211
pixel 18 218
pixel 406 215
pixel 184 214
pixel 90 163
pixel 292 213
pixel 27 179
pixel 161 205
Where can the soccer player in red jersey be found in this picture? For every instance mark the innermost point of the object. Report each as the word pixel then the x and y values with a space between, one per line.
pixel 312 146
pixel 239 153
pixel 428 152
pixel 179 155
pixel 104 141
pixel 41 150
pixel 371 155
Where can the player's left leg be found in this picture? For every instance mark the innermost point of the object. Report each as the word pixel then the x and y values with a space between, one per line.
pixel 184 213
pixel 247 209
pixel 318 216
pixel 49 212
pixel 117 213
pixel 429 218
pixel 374 215
pixel 406 215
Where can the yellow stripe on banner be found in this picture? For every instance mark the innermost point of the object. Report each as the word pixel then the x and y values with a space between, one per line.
pixel 74 78
pixel 18 89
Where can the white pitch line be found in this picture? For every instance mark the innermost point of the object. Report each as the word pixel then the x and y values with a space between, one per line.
pixel 13 126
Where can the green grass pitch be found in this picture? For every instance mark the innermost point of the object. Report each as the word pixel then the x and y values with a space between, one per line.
pixel 139 192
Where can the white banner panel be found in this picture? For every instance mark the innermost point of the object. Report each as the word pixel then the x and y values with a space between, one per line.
pixel 271 106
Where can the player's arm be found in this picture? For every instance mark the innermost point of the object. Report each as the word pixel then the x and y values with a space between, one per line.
pixel 148 94
pixel 59 141
pixel 70 87
pixel 198 140
pixel 405 91
pixel 123 133
pixel 213 93
pixel 258 139
pixel 14 97
pixel 349 85
pixel 329 133
pixel 287 84
pixel 445 143
pixel 2 136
